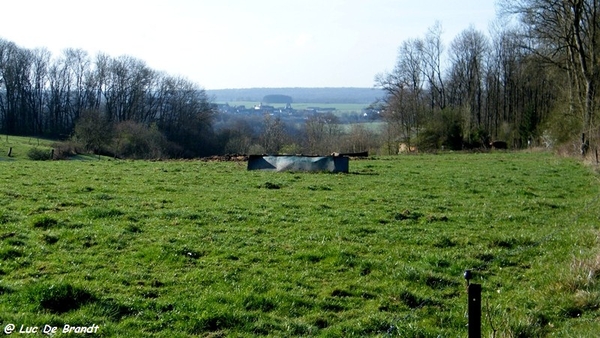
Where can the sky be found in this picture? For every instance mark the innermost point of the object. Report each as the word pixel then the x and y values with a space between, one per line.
pixel 221 44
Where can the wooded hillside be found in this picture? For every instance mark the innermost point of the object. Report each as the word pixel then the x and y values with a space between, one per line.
pixel 532 79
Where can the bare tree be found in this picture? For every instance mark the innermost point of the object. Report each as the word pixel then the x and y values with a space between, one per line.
pixel 15 88
pixel 238 136
pixel 403 104
pixel 467 56
pixel 432 50
pixel 77 69
pixel 272 138
pixel 39 83
pixel 93 131
pixel 44 95
pixel 322 133
pixel 184 114
pixel 58 99
pixel 360 138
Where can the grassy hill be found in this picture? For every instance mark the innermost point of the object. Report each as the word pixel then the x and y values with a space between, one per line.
pixel 185 248
pixel 21 146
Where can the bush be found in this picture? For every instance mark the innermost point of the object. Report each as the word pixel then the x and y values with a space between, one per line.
pixel 65 149
pixel 136 140
pixel 93 131
pixel 562 128
pixel 444 130
pixel 36 154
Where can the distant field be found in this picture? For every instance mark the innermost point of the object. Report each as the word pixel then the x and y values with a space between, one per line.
pixel 327 95
pixel 340 107
pixel 190 248
pixel 376 127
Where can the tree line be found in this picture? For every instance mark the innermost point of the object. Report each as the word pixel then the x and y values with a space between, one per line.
pixel 118 106
pixel 113 99
pixel 534 78
pixel 314 134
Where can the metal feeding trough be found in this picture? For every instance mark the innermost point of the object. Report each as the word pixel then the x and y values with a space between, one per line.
pixel 335 163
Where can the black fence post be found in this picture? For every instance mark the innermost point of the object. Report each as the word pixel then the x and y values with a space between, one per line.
pixel 474 307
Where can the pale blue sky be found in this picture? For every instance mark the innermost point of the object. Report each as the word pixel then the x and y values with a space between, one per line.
pixel 243 43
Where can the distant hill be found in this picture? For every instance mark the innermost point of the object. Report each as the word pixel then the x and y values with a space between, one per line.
pixel 305 95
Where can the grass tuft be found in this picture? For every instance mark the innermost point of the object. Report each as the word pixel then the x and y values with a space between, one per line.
pixel 5 290
pixel 585 274
pixel 511 242
pixel 99 212
pixel 49 239
pixel 407 215
pixel 444 242
pixel 213 321
pixel 413 300
pixel 270 185
pixel 60 298
pixel 5 217
pixel 341 293
pixel 10 253
pixel 259 303
pixel 44 222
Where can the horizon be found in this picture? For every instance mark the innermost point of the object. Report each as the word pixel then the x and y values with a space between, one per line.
pixel 299 95
pixel 296 87
pixel 236 44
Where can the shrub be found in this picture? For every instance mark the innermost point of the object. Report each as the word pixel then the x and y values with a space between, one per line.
pixel 65 149
pixel 136 140
pixel 93 131
pixel 445 130
pixel 37 154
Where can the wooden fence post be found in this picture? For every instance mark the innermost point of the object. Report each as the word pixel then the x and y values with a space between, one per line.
pixel 474 308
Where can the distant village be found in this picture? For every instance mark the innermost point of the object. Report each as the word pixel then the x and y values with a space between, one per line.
pixel 288 110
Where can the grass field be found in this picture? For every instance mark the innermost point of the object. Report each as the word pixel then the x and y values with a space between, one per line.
pixel 184 248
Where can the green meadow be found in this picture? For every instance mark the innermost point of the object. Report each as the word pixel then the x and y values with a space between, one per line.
pixel 192 248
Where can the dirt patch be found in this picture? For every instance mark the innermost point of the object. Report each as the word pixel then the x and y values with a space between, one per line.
pixel 226 158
